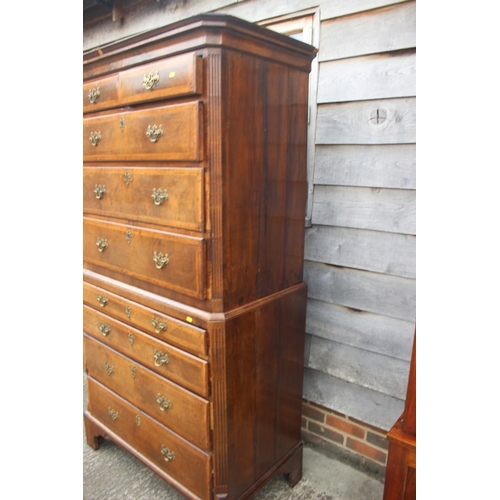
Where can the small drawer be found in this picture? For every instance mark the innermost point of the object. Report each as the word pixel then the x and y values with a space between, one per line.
pixel 165 259
pixel 187 337
pixel 165 196
pixel 173 77
pixel 180 410
pixel 164 133
pixel 174 455
pixel 180 367
pixel 100 94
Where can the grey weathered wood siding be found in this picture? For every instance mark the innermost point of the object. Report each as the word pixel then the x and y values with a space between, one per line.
pixel 360 250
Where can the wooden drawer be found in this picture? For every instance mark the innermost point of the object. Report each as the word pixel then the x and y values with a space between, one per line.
pixel 187 465
pixel 124 136
pixel 173 77
pixel 101 94
pixel 169 260
pixel 180 367
pixel 167 196
pixel 187 337
pixel 184 412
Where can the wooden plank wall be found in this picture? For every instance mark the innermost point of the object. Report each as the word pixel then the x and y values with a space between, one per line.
pixel 360 250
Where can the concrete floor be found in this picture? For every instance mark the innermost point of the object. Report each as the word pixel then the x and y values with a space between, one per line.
pixel 111 473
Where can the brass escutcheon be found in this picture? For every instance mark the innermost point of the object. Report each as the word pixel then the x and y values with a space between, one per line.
pixel 133 369
pixel 160 358
pixel 113 414
pixel 158 324
pixel 128 236
pixel 102 299
pixel 131 338
pixel 99 191
pixel 105 329
pixel 159 196
pixel 102 244
pixel 137 420
pixel 109 368
pixel 154 132
pixel 167 454
pixel 164 404
pixel 128 311
pixel 94 95
pixel 149 80
pixel 127 178
pixel 95 137
pixel 122 124
pixel 160 260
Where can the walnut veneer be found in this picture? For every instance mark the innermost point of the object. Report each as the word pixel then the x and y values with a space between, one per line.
pixel 194 203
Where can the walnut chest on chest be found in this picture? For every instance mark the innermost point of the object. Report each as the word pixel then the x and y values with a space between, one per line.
pixel 194 148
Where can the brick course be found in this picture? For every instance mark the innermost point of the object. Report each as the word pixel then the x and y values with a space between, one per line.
pixel 345 426
pixel 360 442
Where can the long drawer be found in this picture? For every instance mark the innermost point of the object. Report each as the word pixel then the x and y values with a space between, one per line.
pixel 180 367
pixel 180 410
pixel 169 260
pixel 187 337
pixel 172 77
pixel 168 196
pixel 170 132
pixel 180 460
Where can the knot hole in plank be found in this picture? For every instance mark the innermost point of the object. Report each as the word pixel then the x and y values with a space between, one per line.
pixel 378 116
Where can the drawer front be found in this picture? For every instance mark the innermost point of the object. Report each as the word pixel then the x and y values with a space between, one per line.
pixel 183 462
pixel 172 261
pixel 180 410
pixel 172 77
pixel 100 94
pixel 166 196
pixel 175 332
pixel 164 133
pixel 164 359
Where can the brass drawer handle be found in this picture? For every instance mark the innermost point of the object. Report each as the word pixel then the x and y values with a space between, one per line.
pixel 102 299
pixel 105 329
pixel 94 95
pixel 158 324
pixel 113 414
pixel 154 132
pixel 110 369
pixel 164 404
pixel 102 244
pixel 159 196
pixel 167 454
pixel 160 260
pixel 99 191
pixel 160 358
pixel 150 80
pixel 95 137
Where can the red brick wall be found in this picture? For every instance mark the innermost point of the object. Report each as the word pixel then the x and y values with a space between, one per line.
pixel 355 440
